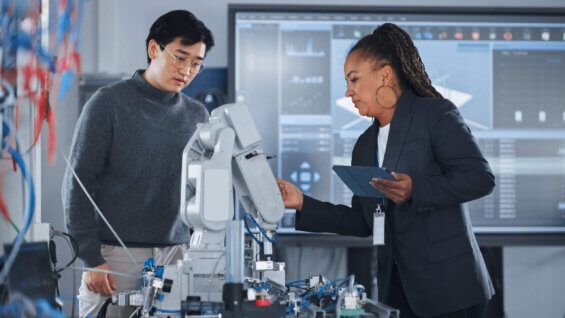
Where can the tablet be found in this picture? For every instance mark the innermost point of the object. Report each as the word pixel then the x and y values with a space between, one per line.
pixel 357 179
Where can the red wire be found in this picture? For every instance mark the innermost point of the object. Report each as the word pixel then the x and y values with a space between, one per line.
pixel 4 210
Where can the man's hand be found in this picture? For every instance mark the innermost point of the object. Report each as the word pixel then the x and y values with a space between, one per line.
pixel 99 282
pixel 399 190
pixel 292 197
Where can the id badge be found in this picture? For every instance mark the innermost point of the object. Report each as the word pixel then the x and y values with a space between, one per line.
pixel 379 226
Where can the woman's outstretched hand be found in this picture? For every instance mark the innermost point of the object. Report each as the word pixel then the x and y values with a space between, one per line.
pixel 292 197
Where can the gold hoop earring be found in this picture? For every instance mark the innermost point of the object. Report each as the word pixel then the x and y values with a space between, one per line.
pixel 377 97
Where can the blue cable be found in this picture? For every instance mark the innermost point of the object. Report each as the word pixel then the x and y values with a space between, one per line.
pixel 63 22
pixel 294 283
pixel 252 235
pixel 263 286
pixel 31 207
pixel 19 160
pixel 167 311
pixel 288 310
pixel 273 240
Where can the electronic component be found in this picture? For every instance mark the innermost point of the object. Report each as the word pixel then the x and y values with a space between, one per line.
pixel 32 274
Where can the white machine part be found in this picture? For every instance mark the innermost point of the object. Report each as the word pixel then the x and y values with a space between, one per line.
pixel 222 154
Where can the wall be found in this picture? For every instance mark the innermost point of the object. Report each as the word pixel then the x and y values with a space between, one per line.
pixel 123 26
pixel 113 41
pixel 534 282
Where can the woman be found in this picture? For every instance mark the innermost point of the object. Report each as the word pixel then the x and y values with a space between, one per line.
pixel 430 265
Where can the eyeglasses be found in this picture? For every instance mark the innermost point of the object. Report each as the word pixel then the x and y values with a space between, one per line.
pixel 181 63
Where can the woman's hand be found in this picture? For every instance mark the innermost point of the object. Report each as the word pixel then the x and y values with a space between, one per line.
pixel 292 197
pixel 399 190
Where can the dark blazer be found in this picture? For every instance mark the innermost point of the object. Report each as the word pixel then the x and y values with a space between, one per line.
pixel 429 238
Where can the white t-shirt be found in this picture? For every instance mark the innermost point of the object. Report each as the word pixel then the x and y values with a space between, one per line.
pixel 382 139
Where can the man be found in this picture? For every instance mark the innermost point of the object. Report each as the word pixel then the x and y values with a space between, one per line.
pixel 127 151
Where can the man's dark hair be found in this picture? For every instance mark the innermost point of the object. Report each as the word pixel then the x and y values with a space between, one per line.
pixel 179 23
pixel 391 45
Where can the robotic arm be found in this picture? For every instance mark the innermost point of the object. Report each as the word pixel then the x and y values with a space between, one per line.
pixel 223 152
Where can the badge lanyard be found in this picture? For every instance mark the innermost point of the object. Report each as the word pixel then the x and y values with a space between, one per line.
pixel 379 215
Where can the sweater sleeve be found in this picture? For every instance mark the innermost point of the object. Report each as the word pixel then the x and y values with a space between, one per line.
pixel 466 175
pixel 90 147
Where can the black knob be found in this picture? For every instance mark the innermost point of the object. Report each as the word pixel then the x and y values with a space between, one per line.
pixel 167 285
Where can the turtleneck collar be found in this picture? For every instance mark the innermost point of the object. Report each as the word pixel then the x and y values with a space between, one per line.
pixel 149 90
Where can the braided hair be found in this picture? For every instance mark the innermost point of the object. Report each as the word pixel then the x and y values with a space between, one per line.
pixel 389 44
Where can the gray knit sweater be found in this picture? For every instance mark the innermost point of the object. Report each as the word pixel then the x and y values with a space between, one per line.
pixel 127 151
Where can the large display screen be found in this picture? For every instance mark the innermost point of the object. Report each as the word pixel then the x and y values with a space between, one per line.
pixel 504 70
